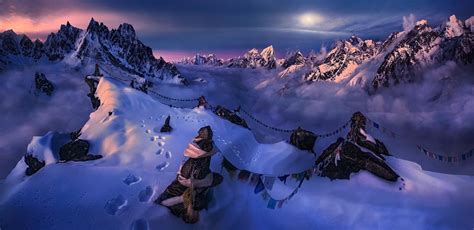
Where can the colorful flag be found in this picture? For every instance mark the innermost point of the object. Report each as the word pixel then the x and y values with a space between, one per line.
pixel 254 179
pixel 244 175
pixel 271 203
pixel 259 187
pixel 280 203
pixel 265 195
pixel 283 178
pixel 269 181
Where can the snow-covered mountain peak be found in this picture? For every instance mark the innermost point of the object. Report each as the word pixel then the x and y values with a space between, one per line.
pixel 268 53
pixel 470 23
pixel 454 27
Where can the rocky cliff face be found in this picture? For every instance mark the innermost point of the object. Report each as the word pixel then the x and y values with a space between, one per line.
pixel 343 59
pixel 117 47
pixel 425 46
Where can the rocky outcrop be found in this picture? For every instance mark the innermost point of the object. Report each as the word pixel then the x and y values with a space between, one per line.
pixel 43 84
pixel 230 116
pixel 76 150
pixel 92 82
pixel 59 44
pixel 346 156
pixel 303 139
pixel 34 164
pixel 166 128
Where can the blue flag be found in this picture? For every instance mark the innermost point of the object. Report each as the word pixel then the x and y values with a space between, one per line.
pixel 259 187
pixel 271 203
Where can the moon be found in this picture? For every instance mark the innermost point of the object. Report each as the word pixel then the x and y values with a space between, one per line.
pixel 309 19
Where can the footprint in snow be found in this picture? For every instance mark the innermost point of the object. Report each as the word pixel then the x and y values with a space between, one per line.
pixel 115 205
pixel 145 194
pixel 161 143
pixel 162 166
pixel 140 224
pixel 154 138
pixel 131 179
pixel 160 151
pixel 168 155
pixel 148 131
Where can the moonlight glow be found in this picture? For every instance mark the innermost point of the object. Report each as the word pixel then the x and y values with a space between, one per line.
pixel 309 19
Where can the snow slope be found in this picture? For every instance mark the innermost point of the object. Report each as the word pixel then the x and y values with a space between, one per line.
pixel 117 191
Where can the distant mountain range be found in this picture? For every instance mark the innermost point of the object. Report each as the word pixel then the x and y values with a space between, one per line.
pixel 97 44
pixel 401 58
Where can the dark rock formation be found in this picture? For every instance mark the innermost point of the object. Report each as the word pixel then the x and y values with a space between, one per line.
pixel 141 85
pixel 166 128
pixel 303 139
pixel 33 164
pixel 76 150
pixel 43 84
pixel 92 82
pixel 358 124
pixel 345 156
pixel 295 59
pixel 202 101
pixel 230 116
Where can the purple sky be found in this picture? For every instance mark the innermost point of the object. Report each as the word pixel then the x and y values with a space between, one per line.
pixel 176 28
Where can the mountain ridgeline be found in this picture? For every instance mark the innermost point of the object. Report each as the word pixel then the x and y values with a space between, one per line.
pixel 97 44
pixel 401 58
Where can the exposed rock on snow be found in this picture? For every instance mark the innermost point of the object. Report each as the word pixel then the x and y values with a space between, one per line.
pixel 343 158
pixel 303 139
pixel 230 116
pixel 43 84
pixel 166 128
pixel 92 82
pixel 77 150
pixel 358 152
pixel 33 164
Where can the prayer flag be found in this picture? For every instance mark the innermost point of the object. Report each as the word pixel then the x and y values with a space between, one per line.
pixel 244 175
pixel 259 187
pixel 271 203
pixel 280 203
pixel 283 178
pixel 254 179
pixel 269 182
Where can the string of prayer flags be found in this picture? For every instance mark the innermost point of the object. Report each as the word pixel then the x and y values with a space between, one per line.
pixel 450 159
